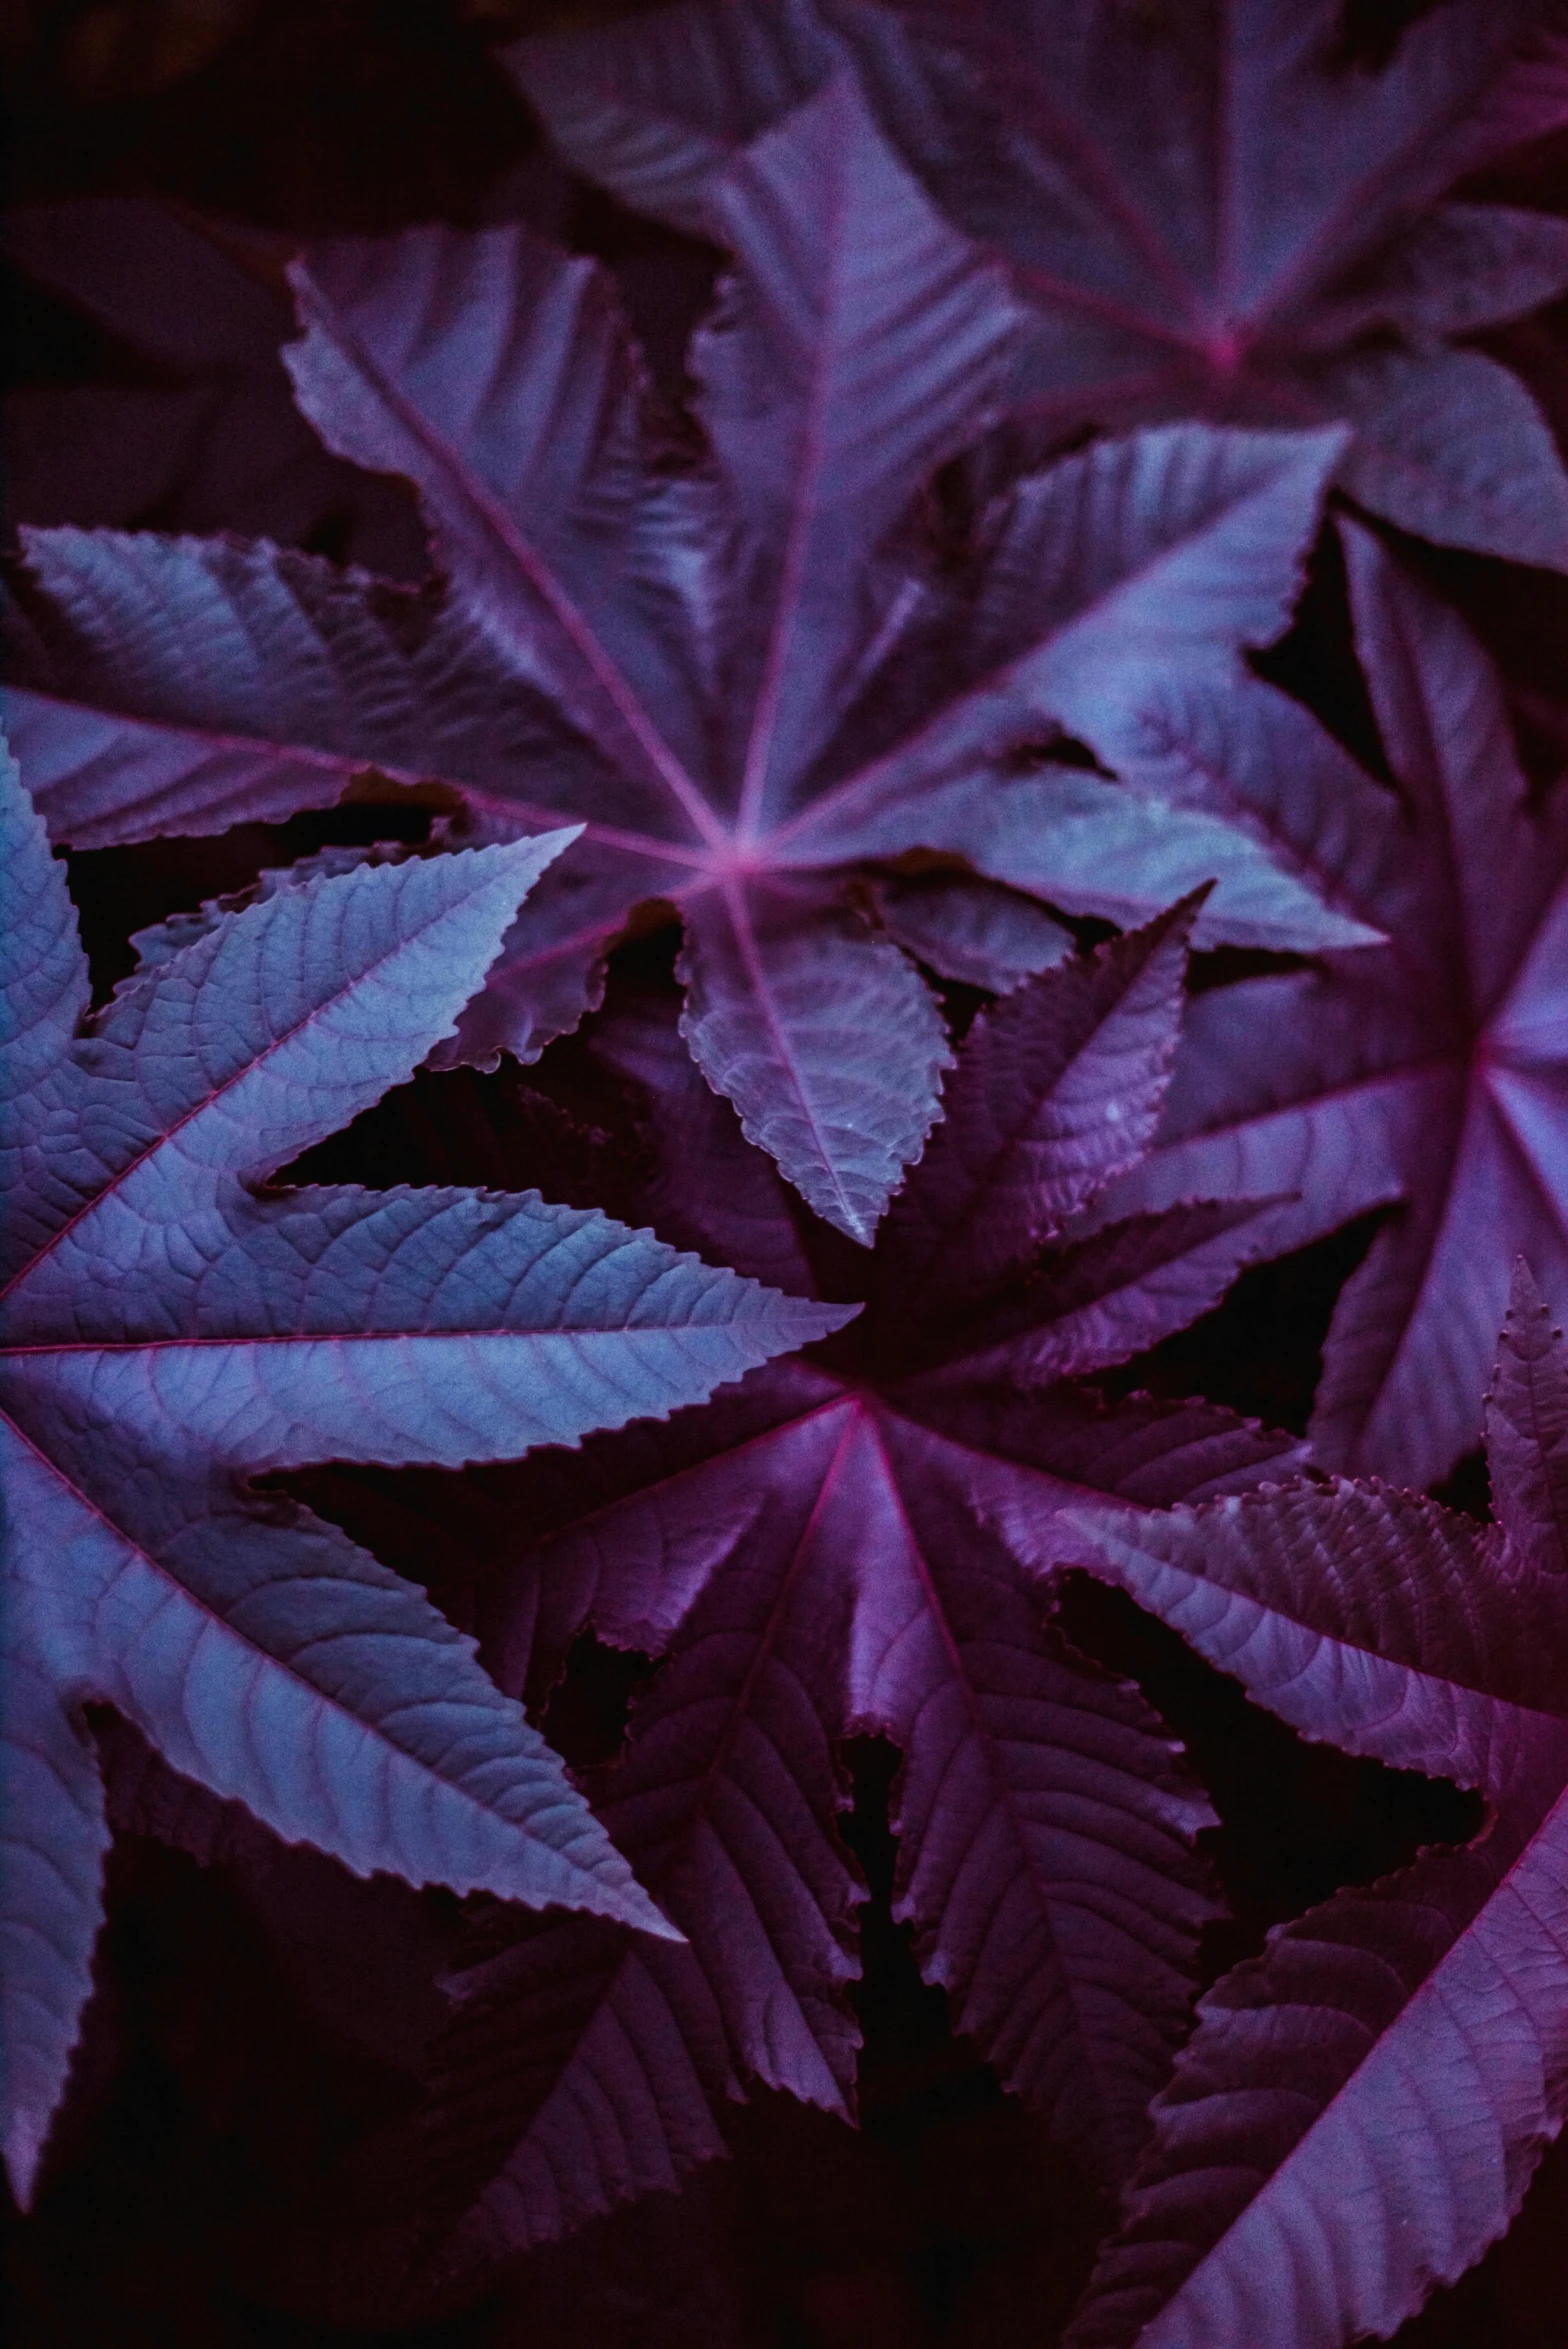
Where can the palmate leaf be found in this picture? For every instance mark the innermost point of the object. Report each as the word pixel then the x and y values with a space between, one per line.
pixel 168 1326
pixel 747 664
pixel 1361 2108
pixel 1212 210
pixel 818 1555
pixel 1433 1070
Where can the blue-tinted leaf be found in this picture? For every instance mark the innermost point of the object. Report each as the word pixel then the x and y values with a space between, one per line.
pixel 1430 1070
pixel 834 1548
pixel 1450 445
pixel 710 1190
pixel 1464 266
pixel 166 1326
pixel 660 112
pixel 1214 212
pixel 43 994
pixel 1360 2109
pixel 823 1037
pixel 837 373
pixel 972 930
pixel 1059 1089
pixel 742 657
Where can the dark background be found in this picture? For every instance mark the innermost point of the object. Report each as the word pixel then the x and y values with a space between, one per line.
pixel 259 2018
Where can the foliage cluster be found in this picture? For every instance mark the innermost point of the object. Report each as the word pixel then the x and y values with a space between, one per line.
pixel 782 1017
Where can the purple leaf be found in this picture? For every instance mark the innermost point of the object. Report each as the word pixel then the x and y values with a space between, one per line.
pixel 614 2058
pixel 828 1551
pixel 317 676
pixel 1459 267
pixel 1115 1293
pixel 837 372
pixel 1421 2138
pixel 1060 1089
pixel 161 941
pixel 217 444
pixel 1443 432
pixel 823 1037
pixel 1527 1433
pixel 971 930
pixel 737 649
pixel 1212 216
pixel 168 1324
pixel 1360 2109
pixel 660 116
pixel 1430 1070
pixel 143 1796
pixel 709 1190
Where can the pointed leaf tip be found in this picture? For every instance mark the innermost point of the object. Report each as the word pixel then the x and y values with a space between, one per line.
pixel 638 1909
pixel 1524 1296
pixel 1195 899
pixel 139 1565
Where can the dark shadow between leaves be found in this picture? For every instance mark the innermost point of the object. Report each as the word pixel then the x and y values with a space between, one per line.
pixel 1260 1351
pixel 118 891
pixel 1298 1821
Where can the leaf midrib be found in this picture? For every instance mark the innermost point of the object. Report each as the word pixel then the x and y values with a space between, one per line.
pixel 70 1063
pixel 192 1598
pixel 530 562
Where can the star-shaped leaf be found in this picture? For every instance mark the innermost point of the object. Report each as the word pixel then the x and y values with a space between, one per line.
pixel 1433 1070
pixel 168 1324
pixel 1360 2109
pixel 823 1553
pixel 1212 210
pixel 743 658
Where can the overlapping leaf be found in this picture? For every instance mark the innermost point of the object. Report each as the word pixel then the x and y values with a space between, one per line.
pixel 167 1325
pixel 1433 1069
pixel 820 1554
pixel 1214 210
pixel 1360 2109
pixel 747 664
pixel 208 437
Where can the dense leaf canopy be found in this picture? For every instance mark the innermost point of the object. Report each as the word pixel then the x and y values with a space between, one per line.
pixel 771 850
pixel 749 672
pixel 167 1326
pixel 1215 210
